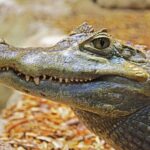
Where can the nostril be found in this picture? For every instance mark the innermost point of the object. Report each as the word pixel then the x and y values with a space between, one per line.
pixel 94 1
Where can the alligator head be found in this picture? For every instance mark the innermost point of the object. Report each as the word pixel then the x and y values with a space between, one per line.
pixel 104 80
pixel 88 70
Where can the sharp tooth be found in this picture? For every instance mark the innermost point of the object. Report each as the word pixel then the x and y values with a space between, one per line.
pixel 66 80
pixel 27 78
pixel 71 80
pixel 7 68
pixel 37 80
pixel 50 78
pixel 90 79
pixel 60 79
pixel 76 80
pixel 44 77
pixel 81 80
pixel 4 69
pixel 55 77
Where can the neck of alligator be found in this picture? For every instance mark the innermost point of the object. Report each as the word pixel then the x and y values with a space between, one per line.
pixel 104 81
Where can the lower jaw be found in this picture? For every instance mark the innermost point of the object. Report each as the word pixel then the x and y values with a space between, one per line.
pixel 74 94
pixel 49 87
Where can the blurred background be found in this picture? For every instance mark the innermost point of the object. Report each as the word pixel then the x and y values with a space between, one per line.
pixel 26 23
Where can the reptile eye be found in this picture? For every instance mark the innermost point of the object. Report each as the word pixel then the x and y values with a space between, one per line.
pixel 101 43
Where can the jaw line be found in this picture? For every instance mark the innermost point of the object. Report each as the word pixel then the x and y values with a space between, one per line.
pixel 108 78
pixel 63 83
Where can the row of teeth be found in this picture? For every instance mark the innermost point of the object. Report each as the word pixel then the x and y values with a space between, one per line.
pixel 61 80
pixel 46 77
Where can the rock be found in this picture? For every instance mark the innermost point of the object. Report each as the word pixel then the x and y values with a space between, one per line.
pixel 5 146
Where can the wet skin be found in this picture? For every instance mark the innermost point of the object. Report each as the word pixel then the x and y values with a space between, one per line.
pixel 104 80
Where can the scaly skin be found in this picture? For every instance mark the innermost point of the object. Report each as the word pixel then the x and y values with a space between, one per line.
pixel 105 81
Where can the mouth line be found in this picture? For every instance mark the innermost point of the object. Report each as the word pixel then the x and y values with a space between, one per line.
pixel 36 80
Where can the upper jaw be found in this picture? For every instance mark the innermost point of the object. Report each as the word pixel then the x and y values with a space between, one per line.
pixel 70 65
pixel 101 71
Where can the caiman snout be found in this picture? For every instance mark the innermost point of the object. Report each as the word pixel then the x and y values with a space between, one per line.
pixel 68 65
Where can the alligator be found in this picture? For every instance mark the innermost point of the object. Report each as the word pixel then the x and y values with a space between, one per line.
pixel 104 80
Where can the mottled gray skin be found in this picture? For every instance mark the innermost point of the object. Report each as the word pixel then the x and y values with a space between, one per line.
pixel 105 81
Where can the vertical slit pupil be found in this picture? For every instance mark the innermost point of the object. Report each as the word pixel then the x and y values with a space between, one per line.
pixel 102 42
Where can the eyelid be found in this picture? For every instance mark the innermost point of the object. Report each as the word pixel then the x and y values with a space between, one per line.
pixel 97 35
